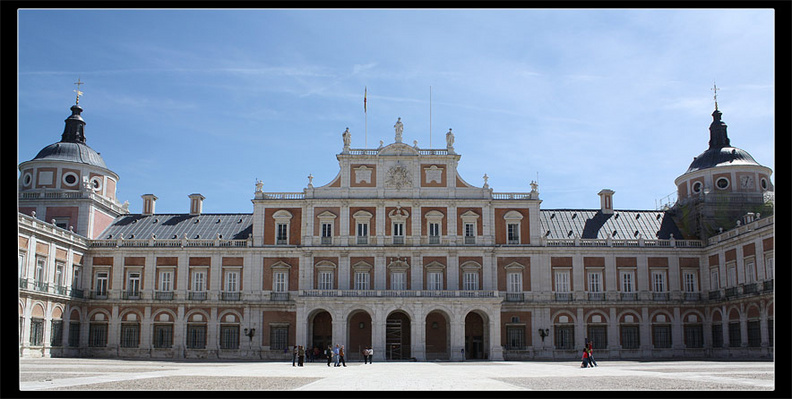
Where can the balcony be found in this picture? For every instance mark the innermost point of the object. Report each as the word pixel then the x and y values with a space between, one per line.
pixel 514 297
pixel 362 240
pixel 692 296
pixel 327 240
pixel 23 283
pixel 563 296
pixel 629 296
pixel 470 240
pixel 61 290
pixel 281 241
pixel 398 240
pixel 76 293
pixel 163 295
pixel 714 295
pixel 98 294
pixel 751 288
pixel 197 295
pixel 279 296
pixel 399 293
pixel 40 286
pixel 230 296
pixel 660 296
pixel 434 240
pixel 767 285
pixel 731 292
pixel 596 296
pixel 130 295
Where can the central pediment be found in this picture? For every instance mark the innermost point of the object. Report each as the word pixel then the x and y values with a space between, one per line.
pixel 398 149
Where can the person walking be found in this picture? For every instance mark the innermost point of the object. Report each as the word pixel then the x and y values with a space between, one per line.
pixel 336 351
pixel 585 358
pixel 315 353
pixel 329 354
pixel 341 355
pixel 300 355
pixel 592 362
pixel 294 356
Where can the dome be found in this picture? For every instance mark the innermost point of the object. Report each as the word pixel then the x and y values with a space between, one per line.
pixel 71 152
pixel 723 156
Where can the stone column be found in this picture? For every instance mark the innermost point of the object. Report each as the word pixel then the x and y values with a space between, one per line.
pixel 457 341
pixel 418 334
pixel 378 323
pixel 496 349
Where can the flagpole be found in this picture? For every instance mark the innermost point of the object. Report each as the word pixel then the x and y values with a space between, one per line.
pixel 430 116
pixel 365 113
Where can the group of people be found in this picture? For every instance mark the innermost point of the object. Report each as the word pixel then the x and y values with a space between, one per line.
pixel 588 356
pixel 335 355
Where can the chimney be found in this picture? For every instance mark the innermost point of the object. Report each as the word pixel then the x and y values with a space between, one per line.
pixel 196 204
pixel 148 203
pixel 606 201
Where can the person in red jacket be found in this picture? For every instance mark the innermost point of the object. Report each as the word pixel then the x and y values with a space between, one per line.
pixel 585 358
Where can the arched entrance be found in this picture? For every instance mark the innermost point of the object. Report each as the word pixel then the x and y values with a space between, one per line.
pixel 321 330
pixel 359 329
pixel 437 330
pixel 475 336
pixel 397 336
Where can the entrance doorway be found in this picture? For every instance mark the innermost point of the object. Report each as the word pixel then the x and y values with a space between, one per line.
pixel 474 336
pixel 397 336
pixel 321 331
pixel 437 338
pixel 359 329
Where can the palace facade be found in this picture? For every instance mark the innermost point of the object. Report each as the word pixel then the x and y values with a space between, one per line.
pixel 400 253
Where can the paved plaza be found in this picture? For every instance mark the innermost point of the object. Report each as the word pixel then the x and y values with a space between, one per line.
pixel 62 374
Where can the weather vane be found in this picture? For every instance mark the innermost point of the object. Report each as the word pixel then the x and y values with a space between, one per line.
pixel 715 90
pixel 79 93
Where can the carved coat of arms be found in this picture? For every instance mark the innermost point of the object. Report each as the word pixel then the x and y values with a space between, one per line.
pixel 398 177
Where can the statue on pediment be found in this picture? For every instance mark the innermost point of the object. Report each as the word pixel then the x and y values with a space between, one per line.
pixel 399 126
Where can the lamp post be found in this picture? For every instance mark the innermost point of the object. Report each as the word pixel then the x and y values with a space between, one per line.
pixel 543 333
pixel 250 333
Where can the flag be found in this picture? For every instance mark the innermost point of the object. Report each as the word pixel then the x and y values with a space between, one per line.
pixel 365 92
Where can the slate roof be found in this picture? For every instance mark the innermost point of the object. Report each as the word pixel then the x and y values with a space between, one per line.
pixel 715 157
pixel 71 152
pixel 622 224
pixel 231 226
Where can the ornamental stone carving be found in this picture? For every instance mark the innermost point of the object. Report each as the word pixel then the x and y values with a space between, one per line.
pixel 398 177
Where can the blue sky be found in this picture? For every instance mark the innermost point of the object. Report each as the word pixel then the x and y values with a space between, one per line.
pixel 208 101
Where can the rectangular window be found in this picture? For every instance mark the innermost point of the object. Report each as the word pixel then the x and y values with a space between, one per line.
pixel 714 279
pixel 564 337
pixel 279 337
pixel 59 274
pixel 717 335
pixel 731 275
pixel 398 233
pixel 39 276
pixel 97 335
pixel 196 336
pixel 630 337
pixel 327 233
pixel 735 336
pixel 56 332
pixel 690 282
pixel 515 337
pixel 74 334
pixel 434 281
pixel 101 283
pixel 627 281
pixel 21 265
pixel 166 281
pixel 658 282
pixel 362 280
pixel 399 281
pixel 325 280
pixel 280 283
pixel 163 336
pixel 229 337
pixel 513 233
pixel 470 281
pixel 434 233
pixel 36 332
pixel 470 233
pixel 595 282
pixel 362 233
pixel 514 282
pixel 133 284
pixel 661 336
pixel 694 336
pixel 231 281
pixel 769 267
pixel 76 277
pixel 130 335
pixel 750 271
pixel 199 281
pixel 562 281
pixel 282 233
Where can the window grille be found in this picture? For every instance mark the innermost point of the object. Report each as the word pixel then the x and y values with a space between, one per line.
pixel 282 234
pixel 279 337
pixel 598 335
pixel 661 336
pixel 630 337
pixel 434 233
pixel 735 338
pixel 130 335
pixel 515 337
pixel 56 330
pixel 196 336
pixel 229 337
pixel 513 233
pixel 163 336
pixel 564 337
pixel 694 336
pixel 97 335
pixel 74 334
pixel 36 332
pixel 717 335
